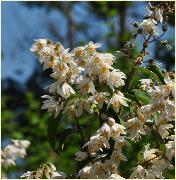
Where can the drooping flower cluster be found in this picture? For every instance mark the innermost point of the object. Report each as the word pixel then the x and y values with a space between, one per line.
pixel 109 167
pixel 82 69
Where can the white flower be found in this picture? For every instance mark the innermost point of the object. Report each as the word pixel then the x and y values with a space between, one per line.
pixel 149 26
pixel 100 98
pixel 86 173
pixel 105 130
pixel 96 143
pixel 117 156
pixel 21 143
pixel 65 90
pixel 116 101
pixel 81 156
pixel 170 148
pixel 38 45
pixel 87 86
pixel 91 47
pixel 117 129
pixel 149 154
pixel 58 175
pixel 116 79
pixel 145 83
pixel 7 162
pixel 138 173
pixel 156 14
pixel 52 105
pixel 135 128
pixel 27 175
pixel 145 112
pixel 163 130
pixel 115 176
pixel 21 153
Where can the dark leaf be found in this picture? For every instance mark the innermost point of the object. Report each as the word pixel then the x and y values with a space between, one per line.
pixel 156 70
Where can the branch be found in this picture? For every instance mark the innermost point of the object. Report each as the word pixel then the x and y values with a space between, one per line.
pixel 136 63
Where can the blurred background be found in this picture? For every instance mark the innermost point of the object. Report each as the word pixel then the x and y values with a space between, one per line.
pixel 23 81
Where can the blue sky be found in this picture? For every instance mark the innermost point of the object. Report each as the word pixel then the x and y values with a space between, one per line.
pixel 21 24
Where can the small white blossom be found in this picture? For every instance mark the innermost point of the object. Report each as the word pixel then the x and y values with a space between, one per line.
pixel 149 26
pixel 117 100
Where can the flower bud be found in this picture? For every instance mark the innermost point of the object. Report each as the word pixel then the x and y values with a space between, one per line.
pixel 81 156
pixel 111 121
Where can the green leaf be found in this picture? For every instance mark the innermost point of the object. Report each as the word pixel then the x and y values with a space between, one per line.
pixel 62 137
pixel 169 174
pixel 156 70
pixel 52 132
pixel 159 140
pixel 142 96
pixel 148 72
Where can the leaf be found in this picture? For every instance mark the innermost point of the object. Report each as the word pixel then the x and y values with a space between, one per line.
pixel 52 132
pixel 63 137
pixel 150 73
pixel 159 140
pixel 142 96
pixel 155 69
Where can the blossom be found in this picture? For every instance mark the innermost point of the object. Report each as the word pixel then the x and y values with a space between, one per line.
pixel 65 90
pixel 156 14
pixel 38 45
pixel 17 149
pixel 116 79
pixel 105 130
pixel 91 47
pixel 96 143
pixel 149 154
pixel 86 172
pixel 170 147
pixel 52 105
pixel 149 26
pixel 117 129
pixel 163 130
pixel 135 128
pixel 138 172
pixel 116 101
pixel 99 98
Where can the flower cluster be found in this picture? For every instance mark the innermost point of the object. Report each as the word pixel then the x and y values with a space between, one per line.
pixel 86 81
pixel 152 167
pixel 83 69
pixel 108 168
pixel 46 170
pixel 161 110
pixel 17 149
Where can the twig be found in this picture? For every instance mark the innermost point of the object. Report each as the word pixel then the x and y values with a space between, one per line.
pixel 133 70
pixel 155 39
